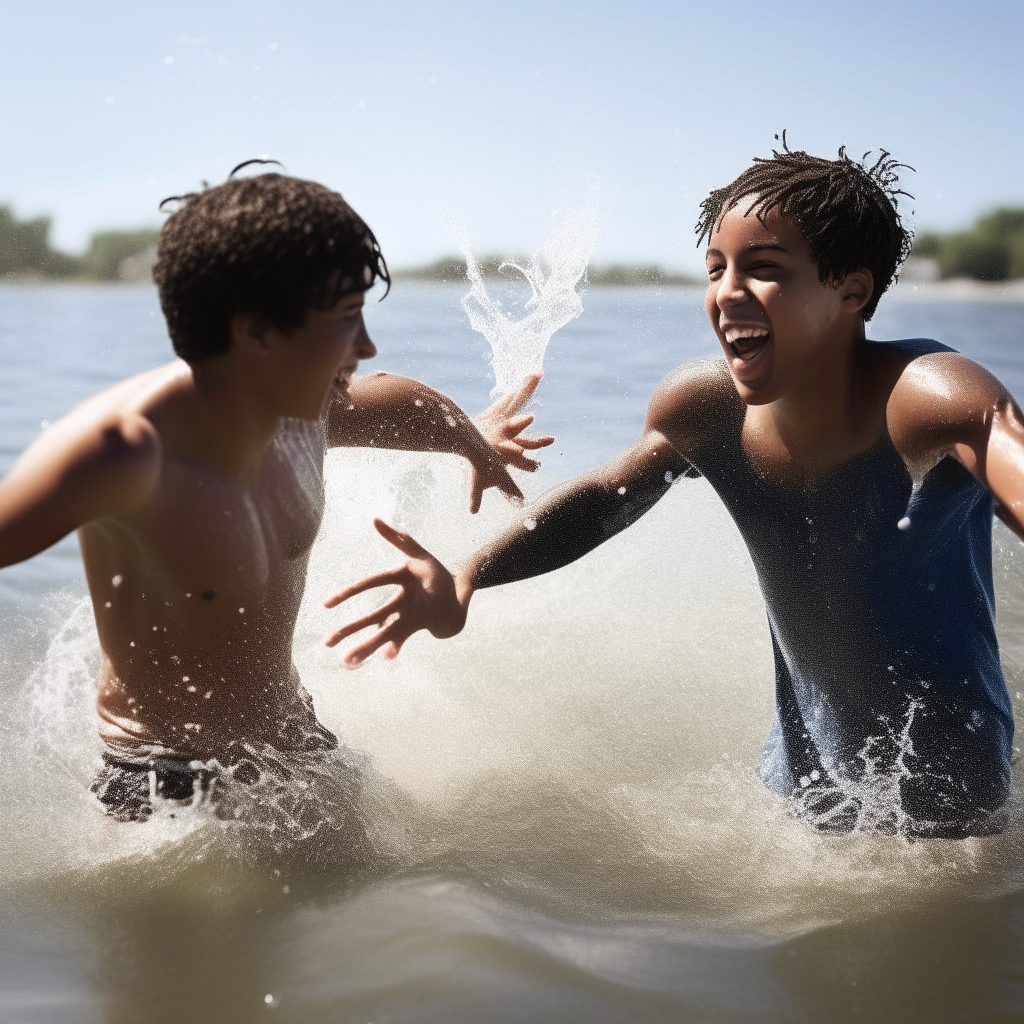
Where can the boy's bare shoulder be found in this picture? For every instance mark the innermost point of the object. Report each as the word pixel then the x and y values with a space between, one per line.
pixel 939 400
pixel 110 444
pixel 692 398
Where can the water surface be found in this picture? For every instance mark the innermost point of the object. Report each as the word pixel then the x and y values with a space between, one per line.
pixel 562 802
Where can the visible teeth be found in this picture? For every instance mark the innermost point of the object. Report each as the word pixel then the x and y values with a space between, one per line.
pixel 745 334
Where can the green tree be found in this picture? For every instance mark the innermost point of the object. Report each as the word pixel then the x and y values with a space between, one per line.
pixel 25 249
pixel 992 250
pixel 109 249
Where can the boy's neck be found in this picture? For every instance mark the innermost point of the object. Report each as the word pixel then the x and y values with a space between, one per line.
pixel 826 415
pixel 232 425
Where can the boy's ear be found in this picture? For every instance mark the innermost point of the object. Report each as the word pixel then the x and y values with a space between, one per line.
pixel 856 290
pixel 249 333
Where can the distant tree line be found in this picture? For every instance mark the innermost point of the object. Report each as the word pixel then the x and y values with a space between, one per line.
pixel 26 253
pixel 992 250
pixel 627 275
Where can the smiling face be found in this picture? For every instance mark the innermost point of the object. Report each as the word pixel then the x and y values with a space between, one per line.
pixel 777 323
pixel 312 365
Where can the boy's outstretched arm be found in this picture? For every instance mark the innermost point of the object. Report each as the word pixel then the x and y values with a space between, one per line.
pixel 79 470
pixel 392 412
pixel 562 526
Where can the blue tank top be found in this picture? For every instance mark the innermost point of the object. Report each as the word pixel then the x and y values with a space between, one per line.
pixel 891 711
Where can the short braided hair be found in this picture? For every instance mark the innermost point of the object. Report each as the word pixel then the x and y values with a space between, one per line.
pixel 846 210
pixel 271 245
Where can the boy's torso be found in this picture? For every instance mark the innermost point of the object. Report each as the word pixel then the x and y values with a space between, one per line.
pixel 196 595
pixel 878 591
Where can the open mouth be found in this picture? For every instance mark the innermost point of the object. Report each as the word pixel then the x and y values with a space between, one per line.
pixel 748 348
pixel 747 343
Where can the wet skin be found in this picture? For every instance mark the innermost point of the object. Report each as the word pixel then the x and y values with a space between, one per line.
pixel 197 492
pixel 815 394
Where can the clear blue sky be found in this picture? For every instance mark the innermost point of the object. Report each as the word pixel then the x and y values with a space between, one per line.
pixel 497 114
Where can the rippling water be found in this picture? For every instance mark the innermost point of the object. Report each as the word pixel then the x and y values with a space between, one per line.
pixel 561 815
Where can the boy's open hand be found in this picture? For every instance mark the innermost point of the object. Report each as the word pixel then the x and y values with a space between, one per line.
pixel 502 429
pixel 428 600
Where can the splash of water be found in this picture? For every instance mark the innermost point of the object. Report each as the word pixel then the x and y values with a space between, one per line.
pixel 554 273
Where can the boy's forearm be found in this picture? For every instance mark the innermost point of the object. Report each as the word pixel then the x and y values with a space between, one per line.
pixel 392 412
pixel 562 526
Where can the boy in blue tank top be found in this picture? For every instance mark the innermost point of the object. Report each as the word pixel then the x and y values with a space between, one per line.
pixel 863 477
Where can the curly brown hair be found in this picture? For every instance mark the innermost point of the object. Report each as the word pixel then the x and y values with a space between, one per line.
pixel 271 245
pixel 847 211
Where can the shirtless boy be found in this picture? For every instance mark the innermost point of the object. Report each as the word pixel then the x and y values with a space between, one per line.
pixel 862 476
pixel 197 488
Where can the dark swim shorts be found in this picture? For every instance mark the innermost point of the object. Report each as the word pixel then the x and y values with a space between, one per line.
pixel 127 789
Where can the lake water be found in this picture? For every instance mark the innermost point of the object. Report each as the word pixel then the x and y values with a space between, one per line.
pixel 564 814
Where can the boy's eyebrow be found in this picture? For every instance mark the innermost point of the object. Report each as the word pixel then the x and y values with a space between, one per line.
pixel 753 247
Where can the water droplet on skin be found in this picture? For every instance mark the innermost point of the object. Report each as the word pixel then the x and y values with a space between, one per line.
pixel 131 643
pixel 117 580
pixel 184 679
pixel 903 524
pixel 241 611
pixel 530 524
pixel 107 605
pixel 419 402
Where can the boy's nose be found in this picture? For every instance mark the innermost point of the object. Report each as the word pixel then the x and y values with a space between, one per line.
pixel 731 290
pixel 365 348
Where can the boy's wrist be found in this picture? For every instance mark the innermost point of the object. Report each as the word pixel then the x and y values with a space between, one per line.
pixel 464 578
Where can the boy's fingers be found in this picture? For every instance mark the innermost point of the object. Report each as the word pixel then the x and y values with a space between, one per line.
pixel 524 462
pixel 535 442
pixel 525 392
pixel 406 544
pixel 358 654
pixel 508 487
pixel 374 618
pixel 381 579
pixel 517 423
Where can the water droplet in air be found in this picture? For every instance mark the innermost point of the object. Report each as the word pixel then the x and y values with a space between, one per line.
pixel 622 490
pixel 270 999
pixel 117 580
pixel 241 611
pixel 668 476
pixel 530 524
pixel 168 59
pixel 108 604
pixel 419 402
pixel 904 523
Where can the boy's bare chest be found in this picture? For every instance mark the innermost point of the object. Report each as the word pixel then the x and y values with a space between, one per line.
pixel 227 529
